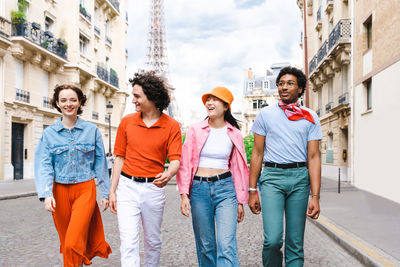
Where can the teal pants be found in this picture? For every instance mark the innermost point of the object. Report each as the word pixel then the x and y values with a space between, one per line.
pixel 284 191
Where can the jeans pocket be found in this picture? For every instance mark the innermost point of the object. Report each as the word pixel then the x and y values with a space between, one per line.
pixel 196 184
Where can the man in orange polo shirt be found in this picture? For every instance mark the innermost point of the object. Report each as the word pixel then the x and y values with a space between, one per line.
pixel 144 141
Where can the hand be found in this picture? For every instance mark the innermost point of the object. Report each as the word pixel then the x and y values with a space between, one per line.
pixel 240 216
pixel 161 179
pixel 185 205
pixel 104 203
pixel 113 202
pixel 254 203
pixel 313 208
pixel 50 204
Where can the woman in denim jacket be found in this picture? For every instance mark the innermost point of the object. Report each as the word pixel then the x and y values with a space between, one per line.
pixel 214 173
pixel 68 157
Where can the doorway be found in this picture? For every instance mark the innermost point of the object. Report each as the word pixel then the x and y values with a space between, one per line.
pixel 17 150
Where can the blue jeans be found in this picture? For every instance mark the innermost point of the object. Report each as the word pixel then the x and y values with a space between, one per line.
pixel 214 216
pixel 284 191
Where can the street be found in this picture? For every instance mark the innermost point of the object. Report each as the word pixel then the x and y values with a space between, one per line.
pixel 28 238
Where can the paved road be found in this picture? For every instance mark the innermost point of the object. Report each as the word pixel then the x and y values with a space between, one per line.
pixel 28 238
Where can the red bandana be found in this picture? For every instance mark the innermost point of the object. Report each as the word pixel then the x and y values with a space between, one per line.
pixel 294 112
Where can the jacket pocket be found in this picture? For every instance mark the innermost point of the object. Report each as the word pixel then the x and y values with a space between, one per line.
pixel 85 153
pixel 60 156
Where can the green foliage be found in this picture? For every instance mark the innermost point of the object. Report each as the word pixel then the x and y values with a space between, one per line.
pixel 112 71
pixel 17 17
pixel 183 138
pixel 248 146
pixel 22 6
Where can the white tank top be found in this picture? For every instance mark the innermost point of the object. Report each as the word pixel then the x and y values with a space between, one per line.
pixel 217 149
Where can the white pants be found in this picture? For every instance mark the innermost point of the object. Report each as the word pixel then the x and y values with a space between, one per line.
pixel 137 201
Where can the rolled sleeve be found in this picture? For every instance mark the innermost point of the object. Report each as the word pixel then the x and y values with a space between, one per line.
pixel 120 140
pixel 100 166
pixel 259 126
pixel 174 148
pixel 43 169
pixel 315 132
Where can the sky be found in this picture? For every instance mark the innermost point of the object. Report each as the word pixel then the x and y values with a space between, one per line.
pixel 212 43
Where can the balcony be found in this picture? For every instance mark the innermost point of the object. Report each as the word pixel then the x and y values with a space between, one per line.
pixel 84 13
pixel 108 41
pixel 115 4
pixel 97 30
pixel 339 36
pixel 22 95
pixel 109 77
pixel 95 115
pixel 328 107
pixel 47 102
pixel 45 39
pixel 343 99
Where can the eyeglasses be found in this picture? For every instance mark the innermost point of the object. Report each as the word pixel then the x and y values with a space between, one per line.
pixel 290 84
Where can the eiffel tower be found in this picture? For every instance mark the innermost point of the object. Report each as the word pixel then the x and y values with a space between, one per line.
pixel 157 59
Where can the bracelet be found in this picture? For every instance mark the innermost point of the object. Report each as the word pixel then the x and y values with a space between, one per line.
pixel 252 189
pixel 315 195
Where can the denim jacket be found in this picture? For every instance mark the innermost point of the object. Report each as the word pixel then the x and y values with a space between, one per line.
pixel 70 156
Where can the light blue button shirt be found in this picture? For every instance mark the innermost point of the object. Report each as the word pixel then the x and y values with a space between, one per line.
pixel 285 140
pixel 70 156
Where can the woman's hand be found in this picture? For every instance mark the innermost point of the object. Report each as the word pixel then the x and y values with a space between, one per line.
pixel 113 202
pixel 104 204
pixel 185 205
pixel 240 213
pixel 50 204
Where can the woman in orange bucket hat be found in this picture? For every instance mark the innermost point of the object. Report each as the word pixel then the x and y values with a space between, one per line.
pixel 213 180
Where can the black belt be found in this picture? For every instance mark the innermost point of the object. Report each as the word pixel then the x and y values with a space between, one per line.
pixel 139 179
pixel 213 178
pixel 285 166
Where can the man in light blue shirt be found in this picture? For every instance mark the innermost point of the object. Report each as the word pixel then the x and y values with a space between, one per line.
pixel 286 138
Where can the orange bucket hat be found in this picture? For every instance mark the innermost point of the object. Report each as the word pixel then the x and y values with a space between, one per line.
pixel 222 93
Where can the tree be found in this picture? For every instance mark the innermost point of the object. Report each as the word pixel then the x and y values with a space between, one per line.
pixel 248 146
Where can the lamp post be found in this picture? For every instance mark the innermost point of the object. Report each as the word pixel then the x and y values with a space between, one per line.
pixel 109 108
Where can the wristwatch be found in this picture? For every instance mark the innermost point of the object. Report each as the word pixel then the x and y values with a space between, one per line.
pixel 252 189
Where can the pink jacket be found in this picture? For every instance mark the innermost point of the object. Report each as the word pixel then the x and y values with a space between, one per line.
pixel 195 140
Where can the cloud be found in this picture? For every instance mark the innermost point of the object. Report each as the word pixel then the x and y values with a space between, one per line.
pixel 212 43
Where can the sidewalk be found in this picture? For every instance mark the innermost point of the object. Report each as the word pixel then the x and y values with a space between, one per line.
pixel 365 224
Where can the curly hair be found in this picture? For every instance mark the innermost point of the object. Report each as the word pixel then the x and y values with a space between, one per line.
pixel 153 87
pixel 301 78
pixel 82 98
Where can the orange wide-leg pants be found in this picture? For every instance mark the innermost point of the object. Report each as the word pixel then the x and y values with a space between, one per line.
pixel 78 221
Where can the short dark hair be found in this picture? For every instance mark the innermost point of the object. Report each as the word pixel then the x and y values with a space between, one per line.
pixel 153 87
pixel 82 98
pixel 301 77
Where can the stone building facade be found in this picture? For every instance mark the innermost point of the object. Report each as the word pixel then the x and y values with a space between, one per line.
pixel 47 42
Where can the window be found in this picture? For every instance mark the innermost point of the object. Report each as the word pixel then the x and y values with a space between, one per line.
pixel 250 86
pixel 107 64
pixel 330 90
pixel 265 85
pixel 45 91
pixel 344 79
pixel 108 28
pixel 319 99
pixel 96 16
pixel 19 74
pixel 257 104
pixel 83 44
pixel 48 24
pixel 330 141
pixel 83 3
pixel 368 87
pixel 368 29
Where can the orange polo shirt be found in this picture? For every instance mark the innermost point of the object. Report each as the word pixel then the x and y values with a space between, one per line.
pixel 145 149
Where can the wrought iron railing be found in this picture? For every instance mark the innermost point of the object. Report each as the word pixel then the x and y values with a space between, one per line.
pixel 343 99
pixel 95 115
pixel 328 107
pixel 341 32
pixel 22 95
pixel 108 41
pixel 45 39
pixel 115 4
pixel 85 13
pixel 110 77
pixel 47 102
pixel 96 30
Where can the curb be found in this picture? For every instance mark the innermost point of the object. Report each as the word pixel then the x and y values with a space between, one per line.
pixel 18 195
pixel 366 253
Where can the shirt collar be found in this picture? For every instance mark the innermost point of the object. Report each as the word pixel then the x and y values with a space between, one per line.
pixel 158 124
pixel 78 125
pixel 204 124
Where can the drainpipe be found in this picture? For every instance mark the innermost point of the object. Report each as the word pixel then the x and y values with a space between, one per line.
pixel 305 52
